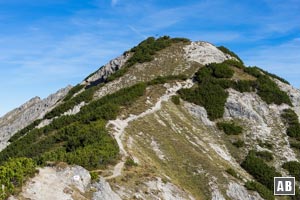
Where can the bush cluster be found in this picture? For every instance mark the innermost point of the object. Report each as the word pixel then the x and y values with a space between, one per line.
pixel 291 119
pixel 235 63
pixel 213 79
pixel 231 53
pixel 275 76
pixel 73 91
pixel 262 172
pixel 175 99
pixel 211 96
pixel 221 70
pixel 265 144
pixel 294 168
pixel 232 172
pixel 261 189
pixel 266 88
pixel 13 173
pixel 266 155
pixel 295 144
pixel 77 139
pixel 85 96
pixel 230 128
pixel 23 131
pixel 214 70
pixel 238 143
pixel 210 93
pixel 270 92
pixel 130 162
pixel 144 52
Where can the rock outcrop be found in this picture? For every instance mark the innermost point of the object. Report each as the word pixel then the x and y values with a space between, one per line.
pixel 20 117
pixel 204 53
pixel 112 66
pixel 63 183
pixel 293 93
pixel 262 123
pixel 104 191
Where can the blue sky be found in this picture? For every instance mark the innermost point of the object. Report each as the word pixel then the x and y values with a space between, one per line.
pixel 46 45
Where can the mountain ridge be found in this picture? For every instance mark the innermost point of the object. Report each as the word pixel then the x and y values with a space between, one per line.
pixel 149 115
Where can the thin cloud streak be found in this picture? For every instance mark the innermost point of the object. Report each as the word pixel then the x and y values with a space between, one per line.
pixel 63 44
pixel 282 59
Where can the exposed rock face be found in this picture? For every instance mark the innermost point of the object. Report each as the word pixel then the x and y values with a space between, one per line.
pixel 56 183
pixel 198 112
pixel 236 192
pixel 157 189
pixel 263 123
pixel 104 191
pixel 293 93
pixel 20 117
pixel 108 69
pixel 204 53
pixel 75 110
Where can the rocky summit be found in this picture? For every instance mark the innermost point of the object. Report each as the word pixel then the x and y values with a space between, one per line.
pixel 168 119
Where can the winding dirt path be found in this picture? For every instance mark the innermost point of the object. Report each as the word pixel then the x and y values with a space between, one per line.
pixel 120 125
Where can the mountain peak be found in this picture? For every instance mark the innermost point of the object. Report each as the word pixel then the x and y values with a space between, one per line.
pixel 168 119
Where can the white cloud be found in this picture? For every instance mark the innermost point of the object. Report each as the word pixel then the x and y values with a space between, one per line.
pixel 139 33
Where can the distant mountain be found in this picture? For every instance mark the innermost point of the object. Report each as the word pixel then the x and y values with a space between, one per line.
pixel 168 119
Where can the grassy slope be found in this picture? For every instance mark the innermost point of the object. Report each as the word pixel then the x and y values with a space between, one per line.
pixel 184 142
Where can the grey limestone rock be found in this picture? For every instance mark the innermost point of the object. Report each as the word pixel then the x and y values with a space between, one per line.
pixel 20 117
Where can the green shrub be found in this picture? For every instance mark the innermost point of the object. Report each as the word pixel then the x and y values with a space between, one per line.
pixel 293 131
pixel 244 85
pixel 290 117
pixel 184 40
pixel 204 74
pixel 217 70
pixel 130 162
pixel 291 120
pixel 261 189
pixel 232 172
pixel 144 52
pixel 85 96
pixel 295 145
pixel 266 88
pixel 175 99
pixel 254 71
pixel 230 128
pixel 231 53
pixel 94 176
pixel 25 130
pixel 211 96
pixel 267 145
pixel 275 76
pixel 266 155
pixel 270 92
pixel 221 70
pixel 73 91
pixel 80 139
pixel 239 143
pixel 234 63
pixel 262 172
pixel 294 169
pixel 13 174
